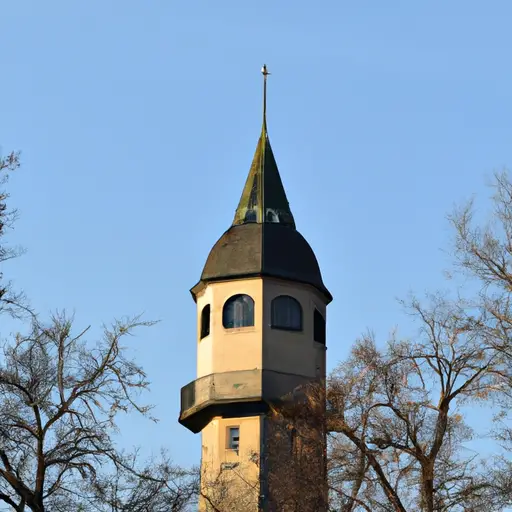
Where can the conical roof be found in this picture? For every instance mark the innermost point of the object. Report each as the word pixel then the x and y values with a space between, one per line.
pixel 263 197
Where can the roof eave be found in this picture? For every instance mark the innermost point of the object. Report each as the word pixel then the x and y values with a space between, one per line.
pixel 201 285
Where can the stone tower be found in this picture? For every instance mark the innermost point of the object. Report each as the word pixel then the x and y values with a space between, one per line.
pixel 261 310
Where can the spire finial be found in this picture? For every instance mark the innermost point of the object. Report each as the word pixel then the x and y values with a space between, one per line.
pixel 265 73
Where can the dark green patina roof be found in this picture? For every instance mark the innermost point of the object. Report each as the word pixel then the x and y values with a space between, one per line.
pixel 263 240
pixel 263 198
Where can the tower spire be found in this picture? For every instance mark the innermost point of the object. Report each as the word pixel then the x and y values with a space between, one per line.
pixel 265 73
pixel 263 198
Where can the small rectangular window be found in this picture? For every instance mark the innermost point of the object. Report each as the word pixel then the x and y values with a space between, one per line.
pixel 234 438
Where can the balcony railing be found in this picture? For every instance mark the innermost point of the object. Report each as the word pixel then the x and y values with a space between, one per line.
pixel 233 386
pixel 243 391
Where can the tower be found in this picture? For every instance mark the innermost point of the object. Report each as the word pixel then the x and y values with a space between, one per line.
pixel 261 309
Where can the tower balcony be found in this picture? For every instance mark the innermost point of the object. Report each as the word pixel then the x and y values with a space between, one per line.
pixel 233 394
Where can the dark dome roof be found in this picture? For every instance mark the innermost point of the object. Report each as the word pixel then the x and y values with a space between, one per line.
pixel 266 249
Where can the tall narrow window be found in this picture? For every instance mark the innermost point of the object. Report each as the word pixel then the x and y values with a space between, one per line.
pixel 233 439
pixel 286 313
pixel 205 321
pixel 319 327
pixel 238 312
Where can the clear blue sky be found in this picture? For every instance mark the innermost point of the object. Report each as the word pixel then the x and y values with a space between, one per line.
pixel 137 123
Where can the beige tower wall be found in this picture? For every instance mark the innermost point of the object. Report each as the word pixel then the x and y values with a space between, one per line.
pixel 226 350
pixel 293 352
pixel 230 480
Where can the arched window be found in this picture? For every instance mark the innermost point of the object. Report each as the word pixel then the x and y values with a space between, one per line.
pixel 286 313
pixel 319 327
pixel 238 312
pixel 205 321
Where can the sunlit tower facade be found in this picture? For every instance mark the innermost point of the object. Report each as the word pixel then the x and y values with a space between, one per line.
pixel 261 316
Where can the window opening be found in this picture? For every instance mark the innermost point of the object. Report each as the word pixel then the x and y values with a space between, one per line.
pixel 205 321
pixel 286 313
pixel 319 327
pixel 238 311
pixel 234 438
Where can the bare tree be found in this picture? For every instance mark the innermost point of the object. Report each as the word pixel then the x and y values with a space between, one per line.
pixel 483 253
pixel 158 486
pixel 235 487
pixel 350 483
pixel 398 414
pixel 296 454
pixel 59 398
pixel 11 301
pixel 397 411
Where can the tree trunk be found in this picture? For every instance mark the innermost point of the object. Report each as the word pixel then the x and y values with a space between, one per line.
pixel 427 489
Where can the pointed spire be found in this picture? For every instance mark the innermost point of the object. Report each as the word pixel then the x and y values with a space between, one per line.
pixel 263 197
